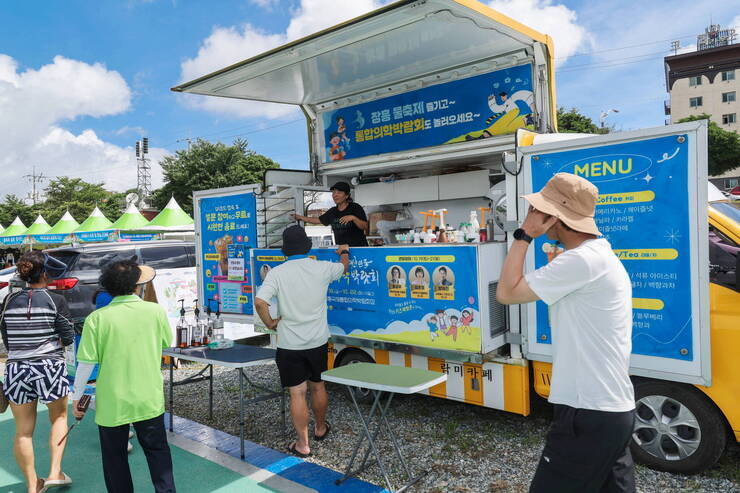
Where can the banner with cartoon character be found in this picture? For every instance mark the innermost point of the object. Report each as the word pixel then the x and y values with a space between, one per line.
pixel 474 108
pixel 228 229
pixel 642 211
pixel 424 296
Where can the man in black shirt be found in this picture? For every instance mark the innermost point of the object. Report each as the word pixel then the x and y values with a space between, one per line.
pixel 347 218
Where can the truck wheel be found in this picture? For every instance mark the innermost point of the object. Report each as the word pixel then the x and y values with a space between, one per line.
pixel 677 429
pixel 350 357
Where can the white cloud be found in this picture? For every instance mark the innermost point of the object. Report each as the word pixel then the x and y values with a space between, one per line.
pixel 265 4
pixel 34 103
pixel 228 45
pixel 139 131
pixel 547 17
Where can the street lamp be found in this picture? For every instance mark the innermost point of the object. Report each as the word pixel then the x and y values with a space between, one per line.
pixel 604 114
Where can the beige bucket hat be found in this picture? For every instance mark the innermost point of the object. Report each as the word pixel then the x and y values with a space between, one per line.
pixel 147 274
pixel 571 199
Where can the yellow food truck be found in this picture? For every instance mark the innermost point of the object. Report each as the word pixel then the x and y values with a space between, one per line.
pixel 441 113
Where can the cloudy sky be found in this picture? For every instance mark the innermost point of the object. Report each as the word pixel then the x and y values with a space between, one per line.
pixel 81 81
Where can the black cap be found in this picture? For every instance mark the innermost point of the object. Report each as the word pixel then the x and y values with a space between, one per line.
pixel 295 241
pixel 342 186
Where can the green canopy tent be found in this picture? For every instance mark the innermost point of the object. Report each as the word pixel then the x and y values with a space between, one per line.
pixel 172 218
pixel 95 228
pixel 129 224
pixel 60 232
pixel 39 226
pixel 15 234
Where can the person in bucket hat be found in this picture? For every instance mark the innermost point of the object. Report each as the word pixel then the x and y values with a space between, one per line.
pixel 589 296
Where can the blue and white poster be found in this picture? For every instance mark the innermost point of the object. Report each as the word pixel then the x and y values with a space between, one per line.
pixel 137 236
pixel 643 212
pixel 228 229
pixel 424 296
pixel 474 108
pixel 52 239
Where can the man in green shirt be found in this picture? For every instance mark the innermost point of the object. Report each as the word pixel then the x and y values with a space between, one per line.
pixel 125 338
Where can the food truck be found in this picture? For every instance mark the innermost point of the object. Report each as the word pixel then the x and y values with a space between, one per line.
pixel 441 113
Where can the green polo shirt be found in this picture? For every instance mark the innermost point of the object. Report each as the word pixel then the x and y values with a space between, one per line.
pixel 126 339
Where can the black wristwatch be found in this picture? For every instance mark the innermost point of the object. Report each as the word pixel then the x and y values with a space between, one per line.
pixel 344 252
pixel 520 234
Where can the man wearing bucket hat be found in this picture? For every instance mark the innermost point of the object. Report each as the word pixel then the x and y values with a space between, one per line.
pixel 300 286
pixel 589 295
pixel 126 338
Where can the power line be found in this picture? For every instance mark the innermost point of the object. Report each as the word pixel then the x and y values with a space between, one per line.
pixel 34 179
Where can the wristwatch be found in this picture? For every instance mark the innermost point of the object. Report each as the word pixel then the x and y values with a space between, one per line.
pixel 520 234
pixel 344 252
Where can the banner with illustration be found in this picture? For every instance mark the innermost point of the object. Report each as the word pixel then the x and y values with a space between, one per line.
pixel 643 212
pixel 95 236
pixel 137 236
pixel 12 240
pixel 52 239
pixel 474 108
pixel 228 230
pixel 423 296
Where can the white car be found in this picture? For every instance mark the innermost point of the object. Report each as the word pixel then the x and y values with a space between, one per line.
pixel 5 276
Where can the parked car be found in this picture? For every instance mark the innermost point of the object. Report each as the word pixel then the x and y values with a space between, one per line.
pixel 5 276
pixel 79 283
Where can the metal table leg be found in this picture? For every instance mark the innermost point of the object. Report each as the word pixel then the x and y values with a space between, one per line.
pixel 172 410
pixel 210 392
pixel 241 412
pixel 381 408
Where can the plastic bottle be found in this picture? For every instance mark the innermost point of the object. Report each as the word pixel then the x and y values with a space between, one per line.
pixel 182 327
pixel 474 221
pixel 201 325
pixel 417 237
pixel 218 324
pixel 209 324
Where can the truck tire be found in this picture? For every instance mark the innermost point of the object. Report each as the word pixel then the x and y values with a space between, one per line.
pixel 677 428
pixel 350 357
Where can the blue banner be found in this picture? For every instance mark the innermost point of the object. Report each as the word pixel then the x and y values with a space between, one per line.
pixel 95 236
pixel 474 108
pixel 137 236
pixel 642 211
pixel 425 296
pixel 51 239
pixel 228 230
pixel 12 240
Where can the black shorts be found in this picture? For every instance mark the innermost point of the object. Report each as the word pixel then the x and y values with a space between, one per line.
pixel 586 451
pixel 298 365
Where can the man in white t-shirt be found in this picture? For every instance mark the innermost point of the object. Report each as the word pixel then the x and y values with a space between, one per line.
pixel 589 295
pixel 300 286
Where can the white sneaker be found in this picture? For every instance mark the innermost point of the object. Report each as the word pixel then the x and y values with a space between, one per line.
pixel 130 447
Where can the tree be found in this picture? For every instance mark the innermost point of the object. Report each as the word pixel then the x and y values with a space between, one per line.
pixel 209 165
pixel 573 121
pixel 15 206
pixel 79 198
pixel 724 146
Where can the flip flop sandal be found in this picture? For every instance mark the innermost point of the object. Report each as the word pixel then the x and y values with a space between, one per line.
pixel 292 450
pixel 320 438
pixel 56 483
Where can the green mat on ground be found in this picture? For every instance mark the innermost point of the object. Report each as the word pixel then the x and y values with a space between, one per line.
pixel 82 462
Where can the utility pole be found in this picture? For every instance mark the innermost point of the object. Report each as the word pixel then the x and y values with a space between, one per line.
pixel 34 179
pixel 143 171
pixel 188 140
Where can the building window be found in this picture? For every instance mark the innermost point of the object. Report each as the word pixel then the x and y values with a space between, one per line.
pixel 729 118
pixel 695 102
pixel 728 75
pixel 695 81
pixel 728 97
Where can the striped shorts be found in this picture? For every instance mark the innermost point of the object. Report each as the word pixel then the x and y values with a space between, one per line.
pixel 44 380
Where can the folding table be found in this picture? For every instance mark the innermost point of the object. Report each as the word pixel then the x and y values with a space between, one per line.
pixel 384 381
pixel 238 357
